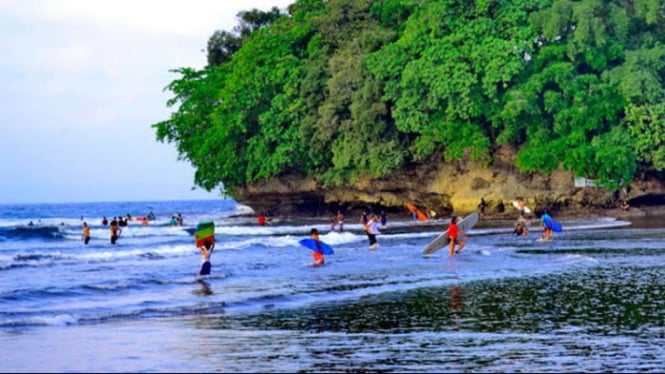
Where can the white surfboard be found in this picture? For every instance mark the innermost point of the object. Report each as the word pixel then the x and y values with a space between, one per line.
pixel 465 224
pixel 527 210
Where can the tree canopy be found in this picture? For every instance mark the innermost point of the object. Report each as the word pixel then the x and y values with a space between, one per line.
pixel 341 89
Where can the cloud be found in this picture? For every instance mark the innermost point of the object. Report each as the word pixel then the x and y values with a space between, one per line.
pixel 83 83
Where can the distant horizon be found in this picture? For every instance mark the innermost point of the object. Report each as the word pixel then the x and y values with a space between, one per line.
pixel 115 201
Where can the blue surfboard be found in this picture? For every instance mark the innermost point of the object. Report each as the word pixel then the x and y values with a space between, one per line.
pixel 320 247
pixel 553 225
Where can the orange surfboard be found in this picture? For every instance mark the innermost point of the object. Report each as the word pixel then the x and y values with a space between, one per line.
pixel 412 209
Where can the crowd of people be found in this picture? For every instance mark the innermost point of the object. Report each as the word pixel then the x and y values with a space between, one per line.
pixel 370 221
pixel 118 222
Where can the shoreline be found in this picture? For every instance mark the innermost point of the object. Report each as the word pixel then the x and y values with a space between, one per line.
pixel 632 212
pixel 510 215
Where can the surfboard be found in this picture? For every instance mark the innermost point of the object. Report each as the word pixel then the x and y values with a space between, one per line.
pixel 412 209
pixel 465 224
pixel 527 210
pixel 205 231
pixel 553 225
pixel 320 247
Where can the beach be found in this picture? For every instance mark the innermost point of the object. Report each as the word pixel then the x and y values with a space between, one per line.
pixel 591 300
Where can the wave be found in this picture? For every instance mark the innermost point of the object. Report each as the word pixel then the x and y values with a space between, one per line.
pixel 31 232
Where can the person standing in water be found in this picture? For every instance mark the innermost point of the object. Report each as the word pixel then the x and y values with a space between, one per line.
pixel 206 254
pixel 372 229
pixel 86 233
pixel 319 259
pixel 453 235
pixel 364 217
pixel 520 229
pixel 547 235
pixel 115 230
pixel 522 208
pixel 339 221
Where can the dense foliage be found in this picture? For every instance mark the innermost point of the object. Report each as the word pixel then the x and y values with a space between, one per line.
pixel 339 89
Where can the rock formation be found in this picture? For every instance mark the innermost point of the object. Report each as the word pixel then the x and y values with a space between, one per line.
pixel 445 188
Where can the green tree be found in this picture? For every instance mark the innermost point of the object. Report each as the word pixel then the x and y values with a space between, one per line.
pixel 343 89
pixel 196 98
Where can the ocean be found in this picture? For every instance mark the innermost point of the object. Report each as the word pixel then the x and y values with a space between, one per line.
pixel 591 300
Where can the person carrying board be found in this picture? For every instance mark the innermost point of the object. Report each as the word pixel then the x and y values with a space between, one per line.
pixel 206 254
pixel 453 235
pixel 547 227
pixel 522 208
pixel 318 256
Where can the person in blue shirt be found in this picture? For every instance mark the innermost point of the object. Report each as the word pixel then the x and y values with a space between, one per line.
pixel 545 223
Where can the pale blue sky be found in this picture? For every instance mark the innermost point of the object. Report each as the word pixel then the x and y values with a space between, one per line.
pixel 81 81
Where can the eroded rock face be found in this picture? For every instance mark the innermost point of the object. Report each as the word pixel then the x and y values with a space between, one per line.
pixel 443 191
pixel 446 188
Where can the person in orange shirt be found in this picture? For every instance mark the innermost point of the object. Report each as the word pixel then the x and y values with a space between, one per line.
pixel 318 256
pixel 86 233
pixel 453 234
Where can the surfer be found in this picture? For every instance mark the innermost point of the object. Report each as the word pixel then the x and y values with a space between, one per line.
pixel 318 256
pixel 547 235
pixel 522 209
pixel 372 229
pixel 86 233
pixel 206 253
pixel 453 236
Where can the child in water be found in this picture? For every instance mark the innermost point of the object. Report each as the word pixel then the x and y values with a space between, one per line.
pixel 520 229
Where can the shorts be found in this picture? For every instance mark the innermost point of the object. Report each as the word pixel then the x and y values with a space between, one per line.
pixel 205 268
pixel 114 238
pixel 86 240
pixel 372 239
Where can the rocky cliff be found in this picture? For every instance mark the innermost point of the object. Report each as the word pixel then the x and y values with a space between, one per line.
pixel 444 188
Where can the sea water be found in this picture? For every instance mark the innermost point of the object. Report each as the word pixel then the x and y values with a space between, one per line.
pixel 591 300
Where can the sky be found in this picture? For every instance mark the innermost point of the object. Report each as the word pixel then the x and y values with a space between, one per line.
pixel 81 83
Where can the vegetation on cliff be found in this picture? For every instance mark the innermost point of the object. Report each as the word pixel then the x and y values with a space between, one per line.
pixel 341 89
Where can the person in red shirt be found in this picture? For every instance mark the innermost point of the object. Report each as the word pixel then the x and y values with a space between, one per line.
pixel 318 257
pixel 262 220
pixel 453 234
